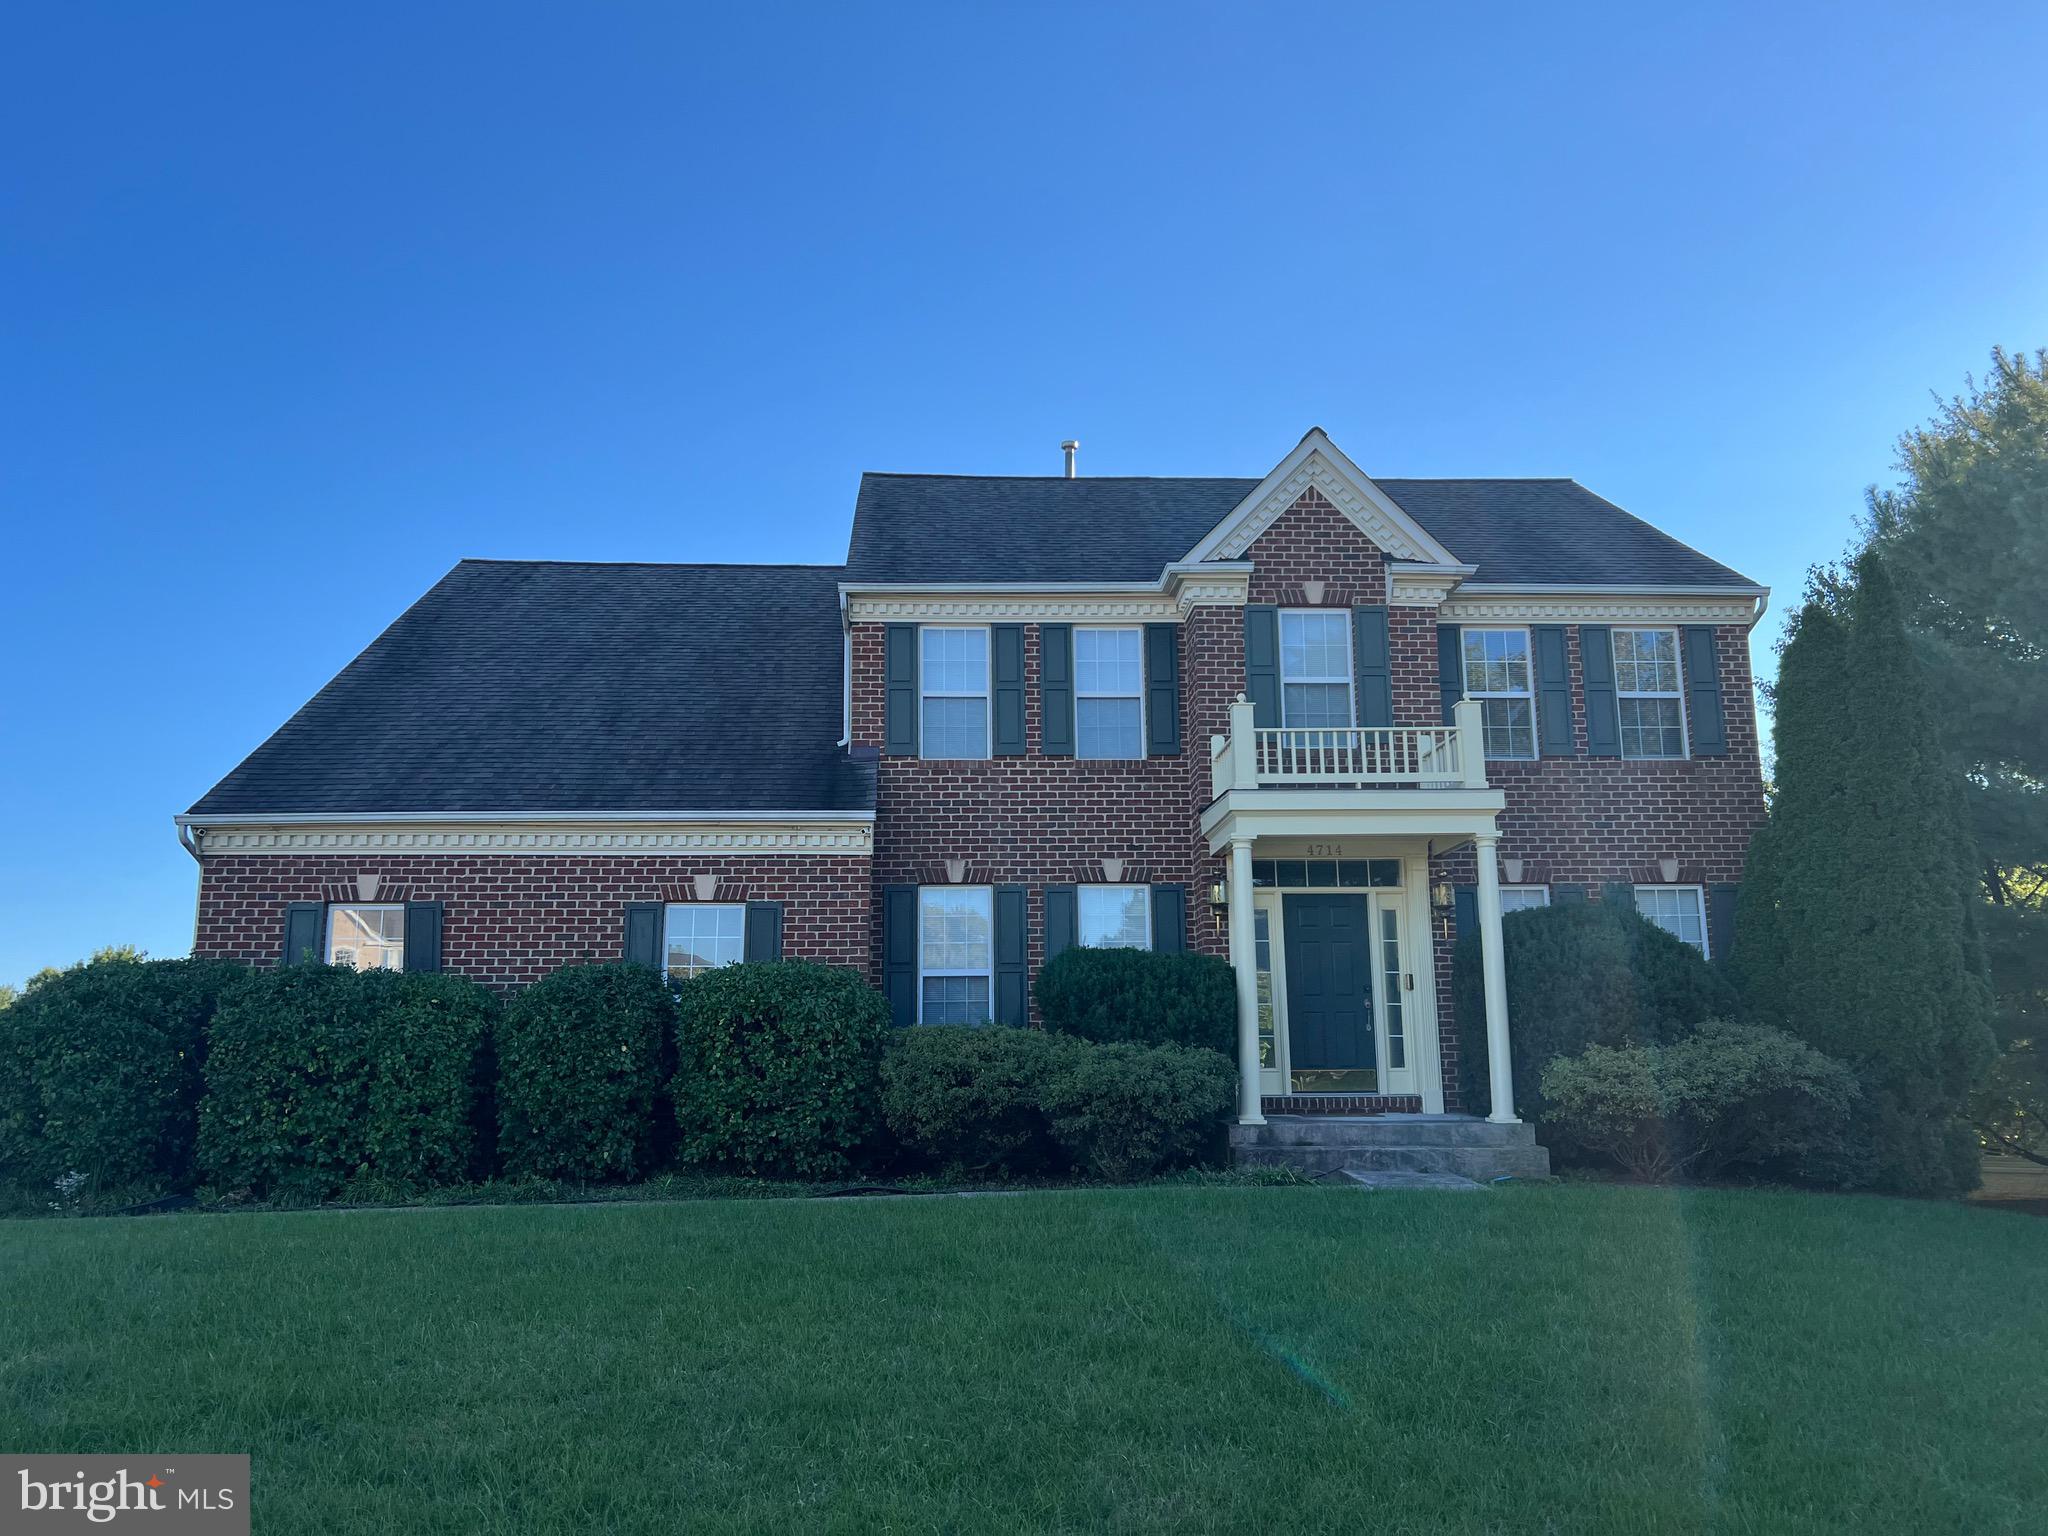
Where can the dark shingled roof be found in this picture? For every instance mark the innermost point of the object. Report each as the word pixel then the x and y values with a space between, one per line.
pixel 1015 528
pixel 535 686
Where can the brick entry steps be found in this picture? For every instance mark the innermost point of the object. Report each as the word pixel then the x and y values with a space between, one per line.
pixel 1341 1104
pixel 1414 1143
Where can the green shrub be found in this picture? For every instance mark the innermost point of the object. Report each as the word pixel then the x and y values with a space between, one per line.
pixel 321 1074
pixel 1580 974
pixel 779 1068
pixel 1139 995
pixel 1124 1111
pixel 1729 1095
pixel 101 1073
pixel 583 1058
pixel 967 1100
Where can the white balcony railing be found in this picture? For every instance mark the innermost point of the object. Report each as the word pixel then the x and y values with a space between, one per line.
pixel 1417 757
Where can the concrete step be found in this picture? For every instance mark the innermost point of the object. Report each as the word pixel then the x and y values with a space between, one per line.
pixel 1471 1149
pixel 1380 1131
pixel 1360 1176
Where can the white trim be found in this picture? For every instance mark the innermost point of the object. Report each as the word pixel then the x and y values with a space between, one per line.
pixel 1342 616
pixel 669 910
pixel 1480 696
pixel 987 695
pixel 1699 892
pixel 1318 462
pixel 1603 605
pixel 846 835
pixel 327 929
pixel 1524 890
pixel 1180 589
pixel 503 818
pixel 1415 584
pixel 1080 693
pixel 1677 694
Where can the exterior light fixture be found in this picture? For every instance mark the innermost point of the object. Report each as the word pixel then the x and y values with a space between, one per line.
pixel 1440 896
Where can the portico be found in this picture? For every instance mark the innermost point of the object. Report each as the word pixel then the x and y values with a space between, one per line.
pixel 1328 834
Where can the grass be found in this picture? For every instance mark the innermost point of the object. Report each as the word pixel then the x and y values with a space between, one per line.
pixel 1571 1359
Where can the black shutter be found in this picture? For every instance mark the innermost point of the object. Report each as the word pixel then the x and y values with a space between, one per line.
pixel 1565 894
pixel 1721 919
pixel 303 940
pixel 1170 919
pixel 423 936
pixel 1450 667
pixel 1061 919
pixel 1162 690
pixel 899 952
pixel 1262 663
pixel 1011 947
pixel 1620 892
pixel 1709 730
pixel 1006 645
pixel 1553 691
pixel 643 933
pixel 1374 665
pixel 1056 690
pixel 1464 910
pixel 763 931
pixel 1603 720
pixel 899 690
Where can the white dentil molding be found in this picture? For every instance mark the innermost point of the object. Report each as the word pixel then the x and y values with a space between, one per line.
pixel 853 838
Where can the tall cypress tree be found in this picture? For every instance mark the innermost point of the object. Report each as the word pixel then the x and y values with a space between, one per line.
pixel 1855 926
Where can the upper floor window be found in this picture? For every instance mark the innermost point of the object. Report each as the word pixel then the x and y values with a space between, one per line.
pixel 955 953
pixel 1116 916
pixel 1497 675
pixel 1647 693
pixel 954 673
pixel 370 938
pixel 1315 669
pixel 1678 910
pixel 1520 898
pixel 1109 691
pixel 703 935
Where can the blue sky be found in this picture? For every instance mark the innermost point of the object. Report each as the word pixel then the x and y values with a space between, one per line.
pixel 300 305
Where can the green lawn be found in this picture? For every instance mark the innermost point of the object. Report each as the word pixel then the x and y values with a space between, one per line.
pixel 1571 1358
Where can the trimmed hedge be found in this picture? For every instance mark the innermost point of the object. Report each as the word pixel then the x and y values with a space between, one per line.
pixel 1125 1111
pixel 583 1058
pixel 778 1068
pixel 1731 1095
pixel 320 1074
pixel 1022 1101
pixel 1139 995
pixel 1580 974
pixel 101 1073
pixel 967 1100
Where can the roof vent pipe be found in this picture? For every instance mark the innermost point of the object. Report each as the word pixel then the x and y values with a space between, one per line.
pixel 1070 447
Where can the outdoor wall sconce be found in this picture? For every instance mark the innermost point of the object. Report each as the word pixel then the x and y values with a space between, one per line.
pixel 1668 868
pixel 1219 897
pixel 1440 896
pixel 1514 870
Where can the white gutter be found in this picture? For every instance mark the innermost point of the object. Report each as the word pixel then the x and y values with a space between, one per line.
pixel 480 818
pixel 1074 588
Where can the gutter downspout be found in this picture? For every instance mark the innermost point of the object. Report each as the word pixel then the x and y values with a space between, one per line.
pixel 845 675
pixel 190 843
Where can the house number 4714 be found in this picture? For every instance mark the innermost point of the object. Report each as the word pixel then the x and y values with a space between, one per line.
pixel 1326 850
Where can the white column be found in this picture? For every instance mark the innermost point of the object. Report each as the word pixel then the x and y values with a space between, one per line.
pixel 1244 958
pixel 1493 968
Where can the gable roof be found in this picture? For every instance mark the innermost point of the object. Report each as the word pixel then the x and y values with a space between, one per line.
pixel 1007 529
pixel 535 686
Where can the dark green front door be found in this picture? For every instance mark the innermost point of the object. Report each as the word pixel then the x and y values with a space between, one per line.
pixel 1329 991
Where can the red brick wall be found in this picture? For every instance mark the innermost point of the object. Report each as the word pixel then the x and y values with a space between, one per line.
pixel 509 919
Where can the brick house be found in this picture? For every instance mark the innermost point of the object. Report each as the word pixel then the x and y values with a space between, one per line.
pixel 1314 723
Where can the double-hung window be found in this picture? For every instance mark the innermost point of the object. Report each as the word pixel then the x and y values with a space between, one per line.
pixel 954 673
pixel 1497 675
pixel 368 937
pixel 1678 910
pixel 955 953
pixel 1520 898
pixel 1109 693
pixel 1647 693
pixel 1315 670
pixel 1116 916
pixel 703 935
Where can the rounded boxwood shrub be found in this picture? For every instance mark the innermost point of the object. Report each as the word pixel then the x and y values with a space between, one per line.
pixel 967 1100
pixel 1123 1111
pixel 583 1058
pixel 1728 1095
pixel 1580 974
pixel 101 1073
pixel 1139 995
pixel 778 1067
pixel 319 1074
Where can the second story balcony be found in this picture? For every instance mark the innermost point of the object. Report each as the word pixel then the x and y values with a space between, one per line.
pixel 1348 757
